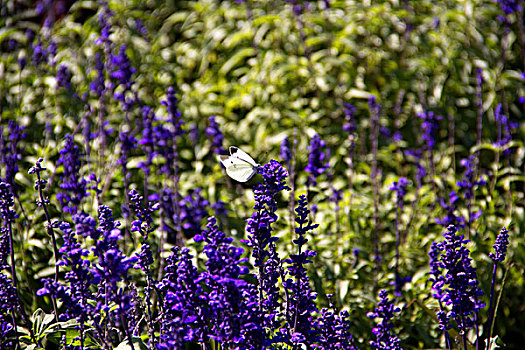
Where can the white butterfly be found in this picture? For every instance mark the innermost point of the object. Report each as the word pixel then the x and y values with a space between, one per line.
pixel 239 165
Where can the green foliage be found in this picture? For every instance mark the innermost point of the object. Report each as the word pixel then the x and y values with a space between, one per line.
pixel 265 71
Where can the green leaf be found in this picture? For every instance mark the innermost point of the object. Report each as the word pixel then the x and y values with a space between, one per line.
pixel 236 59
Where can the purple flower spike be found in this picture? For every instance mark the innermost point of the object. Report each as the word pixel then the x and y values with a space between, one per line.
pixel 455 282
pixel 302 298
pixel 500 246
pixel 317 161
pixel 429 126
pixel 286 153
pixel 214 133
pixel 121 68
pixel 73 185
pixel 385 311
pixel 509 6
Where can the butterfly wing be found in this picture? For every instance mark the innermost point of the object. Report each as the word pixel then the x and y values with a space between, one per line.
pixel 238 153
pixel 237 168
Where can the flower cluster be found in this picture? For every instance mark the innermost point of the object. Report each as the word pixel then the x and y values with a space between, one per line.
pixel 193 209
pixel 303 328
pixel 8 295
pixel 455 281
pixel 286 153
pixel 450 207
pixel 509 6
pixel 64 77
pixel 334 330
pixel 236 319
pixel 183 313
pixel 106 28
pixel 7 202
pixel 259 230
pixel 505 130
pixel 144 225
pixel 121 69
pixel 259 225
pixel 11 151
pixel 73 185
pixel 75 294
pixel 97 86
pixel 467 185
pixel 400 188
pixel 385 311
pixel 110 304
pixel 214 133
pixel 429 126
pixel 316 159
pixel 225 310
pixel 500 246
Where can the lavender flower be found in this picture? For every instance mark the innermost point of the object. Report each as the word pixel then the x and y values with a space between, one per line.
pixel 105 25
pixel 144 222
pixel 350 125
pixel 64 77
pixel 399 187
pixel 450 209
pixel 286 153
pixel 193 208
pixel 259 230
pixel 72 184
pixel 121 69
pixel 11 152
pixel 144 225
pixel 97 86
pixel 259 225
pixel 466 188
pixel 112 270
pixel 147 141
pixel 500 246
pixel 316 159
pixel 455 281
pixel 40 54
pixel 235 318
pixel 166 132
pixel 183 315
pixel 385 311
pixel 214 133
pixel 7 203
pixel 169 219
pixel 505 130
pixel 500 250
pixel 429 126
pixel 128 143
pixel 75 295
pixel 301 298
pixel 334 330
pixel 175 116
pixel 8 294
pixel 509 6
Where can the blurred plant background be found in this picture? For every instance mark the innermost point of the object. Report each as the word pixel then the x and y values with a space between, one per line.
pixel 397 118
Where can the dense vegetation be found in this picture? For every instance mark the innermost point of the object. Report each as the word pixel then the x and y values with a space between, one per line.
pixel 387 211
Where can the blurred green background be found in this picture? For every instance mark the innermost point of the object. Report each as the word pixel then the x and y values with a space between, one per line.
pixel 266 71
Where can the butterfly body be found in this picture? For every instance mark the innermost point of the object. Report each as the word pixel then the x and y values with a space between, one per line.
pixel 239 165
